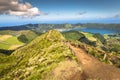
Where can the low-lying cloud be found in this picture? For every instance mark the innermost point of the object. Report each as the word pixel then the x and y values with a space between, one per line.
pixel 81 13
pixel 116 16
pixel 17 8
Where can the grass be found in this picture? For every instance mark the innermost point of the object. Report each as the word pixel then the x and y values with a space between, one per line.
pixel 6 44
pixel 37 58
pixel 73 35
pixel 30 35
pixel 89 36
pixel 115 47
pixel 13 41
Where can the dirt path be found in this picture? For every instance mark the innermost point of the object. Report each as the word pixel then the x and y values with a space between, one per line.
pixel 48 35
pixel 93 68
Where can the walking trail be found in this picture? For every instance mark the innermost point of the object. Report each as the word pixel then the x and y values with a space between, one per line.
pixel 93 68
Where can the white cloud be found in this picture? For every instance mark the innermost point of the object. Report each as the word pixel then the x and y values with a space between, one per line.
pixel 28 13
pixel 15 7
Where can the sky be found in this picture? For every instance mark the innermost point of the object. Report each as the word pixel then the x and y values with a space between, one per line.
pixel 18 12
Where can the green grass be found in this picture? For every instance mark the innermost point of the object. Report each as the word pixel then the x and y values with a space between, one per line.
pixel 72 35
pixel 13 41
pixel 89 36
pixel 4 46
pixel 115 47
pixel 30 35
pixel 27 36
pixel 10 42
pixel 43 54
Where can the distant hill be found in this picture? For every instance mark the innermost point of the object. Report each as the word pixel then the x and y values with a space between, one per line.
pixel 47 27
pixel 114 27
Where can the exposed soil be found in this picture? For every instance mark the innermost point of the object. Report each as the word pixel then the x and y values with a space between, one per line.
pixel 93 68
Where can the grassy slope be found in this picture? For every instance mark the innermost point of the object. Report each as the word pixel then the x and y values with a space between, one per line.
pixel 29 34
pixel 37 59
pixel 13 41
pixel 75 35
pixel 6 44
pixel 72 35
pixel 109 56
pixel 89 36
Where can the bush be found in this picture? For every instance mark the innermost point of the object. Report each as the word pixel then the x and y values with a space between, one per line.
pixel 23 38
pixel 100 37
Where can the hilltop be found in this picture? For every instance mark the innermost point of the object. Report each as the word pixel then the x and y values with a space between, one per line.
pixel 37 59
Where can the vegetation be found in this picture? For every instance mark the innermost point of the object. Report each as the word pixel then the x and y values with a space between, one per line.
pixel 89 36
pixel 15 39
pixel 4 46
pixel 45 27
pixel 73 35
pixel 43 55
pixel 23 38
pixel 108 58
pixel 9 42
pixel 37 59
pixel 100 37
pixel 98 46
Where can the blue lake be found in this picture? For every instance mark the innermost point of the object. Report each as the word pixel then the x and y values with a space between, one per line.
pixel 95 30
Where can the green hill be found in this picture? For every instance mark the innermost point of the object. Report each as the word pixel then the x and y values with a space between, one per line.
pixel 36 60
pixel 9 42
pixel 14 39
pixel 80 36
pixel 30 35
pixel 72 35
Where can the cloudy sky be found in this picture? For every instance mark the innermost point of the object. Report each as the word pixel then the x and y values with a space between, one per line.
pixel 16 12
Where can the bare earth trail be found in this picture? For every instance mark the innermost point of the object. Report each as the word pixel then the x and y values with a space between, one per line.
pixel 93 68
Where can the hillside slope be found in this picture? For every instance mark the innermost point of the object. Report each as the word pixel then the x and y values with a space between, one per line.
pixel 36 60
pixel 11 40
pixel 51 57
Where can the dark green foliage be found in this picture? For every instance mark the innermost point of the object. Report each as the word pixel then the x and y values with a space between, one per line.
pixel 85 40
pixel 73 35
pixel 100 37
pixel 6 52
pixel 115 47
pixel 113 44
pixel 23 38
